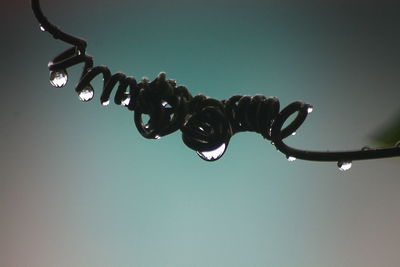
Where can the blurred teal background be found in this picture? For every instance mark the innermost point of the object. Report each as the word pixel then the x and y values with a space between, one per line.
pixel 80 187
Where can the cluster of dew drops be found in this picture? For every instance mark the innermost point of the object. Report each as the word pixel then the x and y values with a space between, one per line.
pixel 59 78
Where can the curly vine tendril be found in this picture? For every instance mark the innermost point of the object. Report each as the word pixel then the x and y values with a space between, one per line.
pixel 207 124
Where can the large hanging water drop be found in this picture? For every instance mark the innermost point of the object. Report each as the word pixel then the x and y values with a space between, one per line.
pixel 344 165
pixel 86 94
pixel 58 78
pixel 212 154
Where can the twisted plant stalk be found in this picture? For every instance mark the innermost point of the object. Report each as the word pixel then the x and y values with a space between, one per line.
pixel 207 124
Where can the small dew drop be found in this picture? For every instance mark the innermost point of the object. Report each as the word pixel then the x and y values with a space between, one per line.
pixel 365 148
pixel 126 100
pixel 105 103
pixel 290 158
pixel 42 28
pixel 344 165
pixel 212 154
pixel 86 94
pixel 294 133
pixel 157 137
pixel 165 104
pixel 310 109
pixel 58 78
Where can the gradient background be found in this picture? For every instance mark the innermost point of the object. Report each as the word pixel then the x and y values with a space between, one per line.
pixel 80 187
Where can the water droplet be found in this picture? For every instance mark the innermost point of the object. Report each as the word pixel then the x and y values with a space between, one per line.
pixel 157 137
pixel 213 154
pixel 272 143
pixel 58 78
pixel 294 133
pixel 290 158
pixel 344 165
pixel 310 109
pixel 126 100
pixel 42 28
pixel 86 94
pixel 365 148
pixel 165 104
pixel 105 103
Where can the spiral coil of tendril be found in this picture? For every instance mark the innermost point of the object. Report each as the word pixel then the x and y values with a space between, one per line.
pixel 207 124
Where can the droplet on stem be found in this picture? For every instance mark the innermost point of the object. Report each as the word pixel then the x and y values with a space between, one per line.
pixel 42 28
pixel 310 109
pixel 344 165
pixel 290 158
pixel 157 137
pixel 127 99
pixel 294 133
pixel 212 154
pixel 105 103
pixel 86 94
pixel 58 78
pixel 165 104
pixel 365 148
